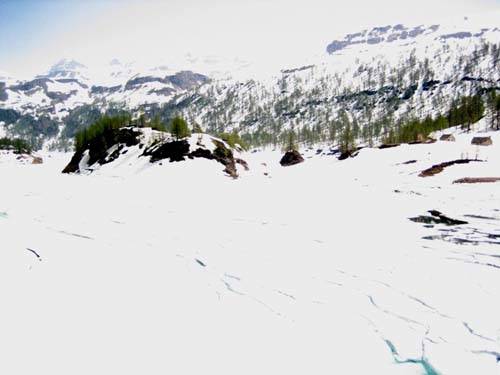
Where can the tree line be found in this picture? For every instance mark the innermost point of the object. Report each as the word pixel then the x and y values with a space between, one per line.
pixel 18 145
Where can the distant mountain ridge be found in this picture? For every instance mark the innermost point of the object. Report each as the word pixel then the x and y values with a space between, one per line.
pixel 373 78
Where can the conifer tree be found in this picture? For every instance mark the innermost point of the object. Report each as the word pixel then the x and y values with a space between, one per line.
pixel 179 128
pixel 156 124
pixel 291 141
pixel 347 141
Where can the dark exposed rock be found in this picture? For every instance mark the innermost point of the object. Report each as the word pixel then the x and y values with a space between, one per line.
pixel 476 180
pixel 302 68
pixel 179 150
pixel 225 156
pixel 9 116
pixel 60 96
pixel 409 162
pixel 3 94
pixel 337 45
pixel 422 140
pixel 388 145
pixel 112 145
pixel 380 29
pixel 458 35
pixel 438 168
pixel 378 35
pixel 175 151
pixel 416 31
pixel 72 80
pixel 242 163
pixel 128 136
pixel 201 153
pixel 375 40
pixel 291 158
pixel 74 164
pixel 30 85
pixel 428 85
pixel 102 90
pixel 437 218
pixel 166 91
pixel 139 81
pixel 114 155
pixel 447 137
pixel 98 148
pixel 187 80
pixel 409 92
pixel 472 79
pixel 344 155
pixel 482 141
pixel 350 153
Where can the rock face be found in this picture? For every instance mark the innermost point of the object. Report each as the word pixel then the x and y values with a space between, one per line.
pixel 437 218
pixel 174 151
pixel 157 146
pixel 291 158
pixel 179 150
pixel 482 141
pixel 447 137
pixel 98 149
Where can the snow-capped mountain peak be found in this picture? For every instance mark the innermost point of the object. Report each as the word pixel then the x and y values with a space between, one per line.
pixel 68 69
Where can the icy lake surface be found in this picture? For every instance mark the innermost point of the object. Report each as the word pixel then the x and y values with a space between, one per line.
pixel 310 269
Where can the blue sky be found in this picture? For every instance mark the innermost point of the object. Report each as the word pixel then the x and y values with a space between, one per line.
pixel 27 26
pixel 24 23
pixel 34 34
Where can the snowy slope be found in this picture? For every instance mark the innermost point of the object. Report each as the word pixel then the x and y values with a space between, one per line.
pixel 314 268
pixel 379 74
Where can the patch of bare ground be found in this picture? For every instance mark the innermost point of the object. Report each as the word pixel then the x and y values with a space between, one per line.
pixel 438 168
pixel 477 180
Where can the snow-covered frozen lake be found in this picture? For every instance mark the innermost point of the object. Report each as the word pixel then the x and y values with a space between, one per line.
pixel 312 269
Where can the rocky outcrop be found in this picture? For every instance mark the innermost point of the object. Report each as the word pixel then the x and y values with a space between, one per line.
pixel 37 160
pixel 438 168
pixel 3 94
pixel 74 164
pixel 291 158
pixel 157 146
pixel 447 138
pixel 173 151
pixel 437 218
pixel 482 141
pixel 388 145
pixel 457 35
pixel 179 150
pixel 225 156
pixel 381 34
pixel 184 80
pixel 99 148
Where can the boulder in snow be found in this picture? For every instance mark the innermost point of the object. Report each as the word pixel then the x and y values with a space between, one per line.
pixel 482 141
pixel 37 160
pixel 291 158
pixel 447 137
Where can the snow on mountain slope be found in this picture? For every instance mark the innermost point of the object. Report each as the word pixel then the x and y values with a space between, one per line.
pixel 378 76
pixel 314 268
pixel 377 81
pixel 68 69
